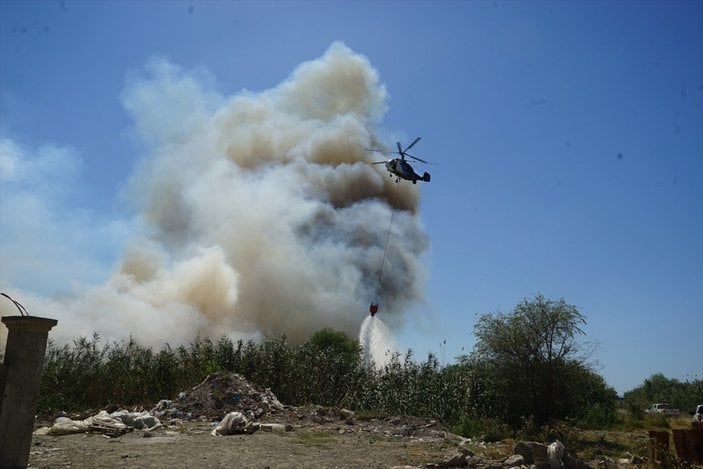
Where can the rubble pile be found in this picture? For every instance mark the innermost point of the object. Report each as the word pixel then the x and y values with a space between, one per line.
pixel 218 395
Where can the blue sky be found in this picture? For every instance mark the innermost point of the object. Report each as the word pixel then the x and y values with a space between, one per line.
pixel 567 136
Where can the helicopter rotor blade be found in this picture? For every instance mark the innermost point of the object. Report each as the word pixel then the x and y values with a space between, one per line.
pixel 417 159
pixel 400 150
pixel 411 145
pixel 379 162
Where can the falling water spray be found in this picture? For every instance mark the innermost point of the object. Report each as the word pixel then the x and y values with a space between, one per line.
pixel 376 340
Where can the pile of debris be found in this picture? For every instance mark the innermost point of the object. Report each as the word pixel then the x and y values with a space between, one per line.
pixel 109 424
pixel 218 395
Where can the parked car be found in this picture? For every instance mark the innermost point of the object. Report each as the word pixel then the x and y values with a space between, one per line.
pixel 697 416
pixel 666 409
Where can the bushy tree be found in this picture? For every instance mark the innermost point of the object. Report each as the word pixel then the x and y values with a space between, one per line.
pixel 533 364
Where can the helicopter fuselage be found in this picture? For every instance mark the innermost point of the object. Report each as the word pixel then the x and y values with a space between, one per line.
pixel 402 169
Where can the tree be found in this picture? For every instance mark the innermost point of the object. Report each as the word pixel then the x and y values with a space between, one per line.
pixel 533 361
pixel 327 364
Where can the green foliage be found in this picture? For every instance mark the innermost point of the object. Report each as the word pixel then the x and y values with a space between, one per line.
pixel 521 360
pixel 327 365
pixel 404 387
pixel 533 364
pixel 561 430
pixel 89 374
pixel 272 367
pixel 599 416
pixel 684 395
pixel 490 430
pixel 656 421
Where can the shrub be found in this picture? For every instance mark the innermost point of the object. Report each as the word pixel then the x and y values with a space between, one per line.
pixel 599 416
pixel 488 429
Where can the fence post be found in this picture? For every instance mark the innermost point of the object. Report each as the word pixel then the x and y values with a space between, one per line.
pixel 21 376
pixel 659 446
pixel 689 445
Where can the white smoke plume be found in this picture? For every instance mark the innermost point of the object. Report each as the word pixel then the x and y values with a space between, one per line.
pixel 261 212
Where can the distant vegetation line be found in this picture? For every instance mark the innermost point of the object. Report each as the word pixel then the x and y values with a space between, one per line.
pixel 527 372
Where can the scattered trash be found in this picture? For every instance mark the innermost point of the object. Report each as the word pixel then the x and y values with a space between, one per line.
pixel 234 423
pixel 111 425
pixel 553 455
pixel 555 452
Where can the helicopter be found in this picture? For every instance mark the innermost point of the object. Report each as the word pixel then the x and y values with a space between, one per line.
pixel 400 167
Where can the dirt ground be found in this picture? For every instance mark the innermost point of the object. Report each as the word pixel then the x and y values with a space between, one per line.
pixel 403 442
pixel 191 445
